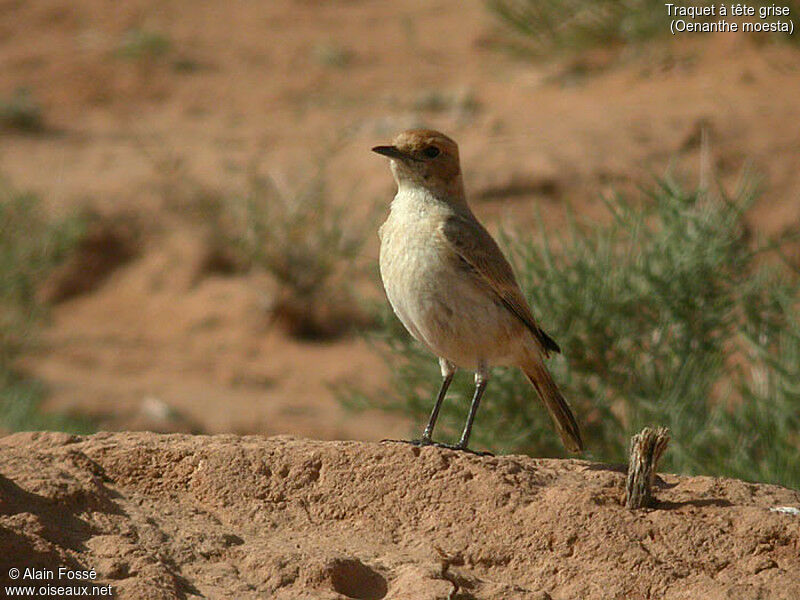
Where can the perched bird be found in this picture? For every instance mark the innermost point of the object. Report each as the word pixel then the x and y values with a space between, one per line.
pixel 450 285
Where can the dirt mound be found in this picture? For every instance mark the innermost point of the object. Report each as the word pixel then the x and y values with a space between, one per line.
pixel 178 516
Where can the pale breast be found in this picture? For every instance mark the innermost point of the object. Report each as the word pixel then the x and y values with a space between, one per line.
pixel 436 297
pixel 410 266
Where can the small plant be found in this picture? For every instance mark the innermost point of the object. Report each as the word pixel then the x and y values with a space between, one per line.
pixel 668 316
pixel 578 24
pixel 30 246
pixel 21 112
pixel 459 101
pixel 309 246
pixel 544 25
pixel 329 54
pixel 143 44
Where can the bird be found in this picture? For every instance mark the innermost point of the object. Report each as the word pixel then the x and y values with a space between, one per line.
pixel 451 286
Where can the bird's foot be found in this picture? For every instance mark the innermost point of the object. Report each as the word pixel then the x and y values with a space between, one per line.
pixel 417 443
pixel 460 448
pixel 427 442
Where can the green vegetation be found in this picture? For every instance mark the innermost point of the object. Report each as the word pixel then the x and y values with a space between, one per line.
pixel 143 44
pixel 543 25
pixel 668 315
pixel 30 246
pixel 578 24
pixel 309 246
pixel 295 234
pixel 331 54
pixel 459 101
pixel 20 111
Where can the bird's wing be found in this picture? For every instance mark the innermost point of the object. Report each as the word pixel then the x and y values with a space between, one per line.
pixel 475 247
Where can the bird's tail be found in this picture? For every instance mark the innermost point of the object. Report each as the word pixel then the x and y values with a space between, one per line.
pixel 559 410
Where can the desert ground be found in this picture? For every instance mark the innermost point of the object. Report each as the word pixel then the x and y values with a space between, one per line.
pixel 177 516
pixel 149 106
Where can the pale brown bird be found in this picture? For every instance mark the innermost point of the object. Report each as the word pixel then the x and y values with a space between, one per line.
pixel 450 285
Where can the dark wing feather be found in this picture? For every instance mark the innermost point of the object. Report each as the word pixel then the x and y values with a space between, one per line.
pixel 473 244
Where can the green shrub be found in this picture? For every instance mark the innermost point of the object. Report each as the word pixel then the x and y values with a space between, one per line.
pixel 30 246
pixel 21 112
pixel 668 315
pixel 143 44
pixel 577 24
pixel 330 54
pixel 310 247
pixel 543 25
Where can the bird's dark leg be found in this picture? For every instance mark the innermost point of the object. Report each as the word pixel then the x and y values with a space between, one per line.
pixel 448 370
pixel 426 435
pixel 481 380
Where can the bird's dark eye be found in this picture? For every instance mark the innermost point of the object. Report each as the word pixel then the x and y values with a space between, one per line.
pixel 431 152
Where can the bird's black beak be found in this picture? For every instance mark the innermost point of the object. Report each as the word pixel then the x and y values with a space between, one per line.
pixel 393 152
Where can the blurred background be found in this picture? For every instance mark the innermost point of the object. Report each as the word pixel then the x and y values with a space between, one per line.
pixel 190 207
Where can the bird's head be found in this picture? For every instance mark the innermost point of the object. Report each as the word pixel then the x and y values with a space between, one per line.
pixel 425 158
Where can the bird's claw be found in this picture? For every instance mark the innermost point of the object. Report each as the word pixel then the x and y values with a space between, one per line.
pixel 461 448
pixel 427 442
pixel 417 443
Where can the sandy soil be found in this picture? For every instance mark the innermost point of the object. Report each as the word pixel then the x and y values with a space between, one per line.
pixel 153 339
pixel 176 516
pixel 159 343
